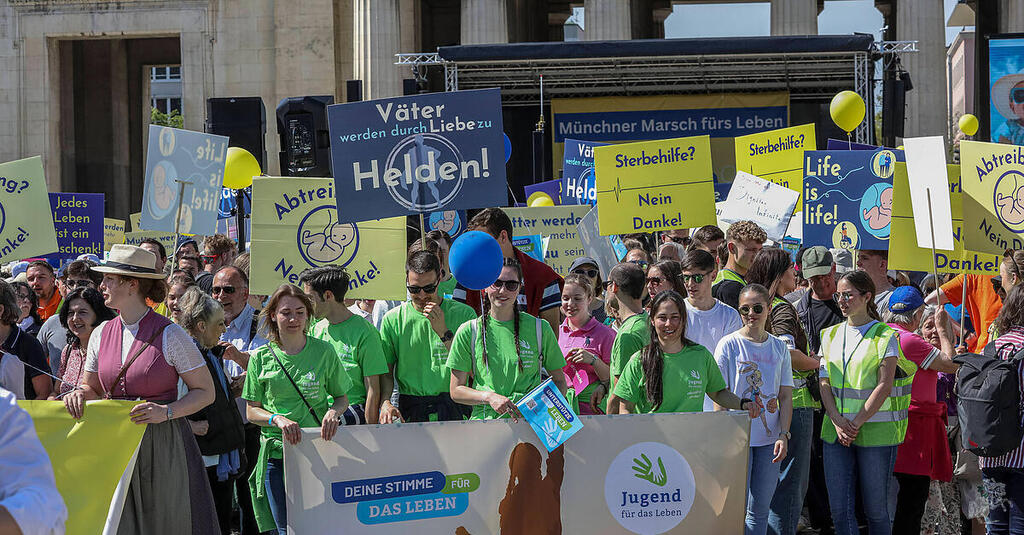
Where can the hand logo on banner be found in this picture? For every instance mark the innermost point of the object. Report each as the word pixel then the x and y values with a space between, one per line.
pixel 321 244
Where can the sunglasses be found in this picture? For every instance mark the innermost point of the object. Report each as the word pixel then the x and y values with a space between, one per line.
pixel 511 286
pixel 1017 95
pixel 607 285
pixel 427 288
pixel 223 289
pixel 209 258
pixel 697 278
pixel 845 296
pixel 654 280
pixel 81 283
pixel 747 309
pixel 592 273
pixel 642 263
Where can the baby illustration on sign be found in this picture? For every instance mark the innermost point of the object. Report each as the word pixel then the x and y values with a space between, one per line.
pixel 329 244
pixel 1011 207
pixel 754 383
pixel 879 216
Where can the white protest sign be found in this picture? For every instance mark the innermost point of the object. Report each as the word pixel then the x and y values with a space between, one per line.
pixel 755 199
pixel 926 172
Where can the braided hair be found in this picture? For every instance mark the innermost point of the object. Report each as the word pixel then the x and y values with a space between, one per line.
pixel 485 315
pixel 652 356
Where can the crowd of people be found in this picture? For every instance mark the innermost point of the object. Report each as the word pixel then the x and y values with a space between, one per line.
pixel 844 367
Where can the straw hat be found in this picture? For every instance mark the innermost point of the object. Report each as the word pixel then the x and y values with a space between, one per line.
pixel 1001 93
pixel 130 261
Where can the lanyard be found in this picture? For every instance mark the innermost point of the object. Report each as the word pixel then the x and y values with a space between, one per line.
pixel 847 359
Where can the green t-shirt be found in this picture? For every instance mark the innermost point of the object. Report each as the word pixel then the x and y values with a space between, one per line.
pixel 686 377
pixel 446 288
pixel 317 372
pixel 357 342
pixel 502 374
pixel 416 350
pixel 634 334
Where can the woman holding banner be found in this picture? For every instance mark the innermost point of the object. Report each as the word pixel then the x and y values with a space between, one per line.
pixel 142 355
pixel 586 344
pixel 504 350
pixel 287 387
pixel 82 312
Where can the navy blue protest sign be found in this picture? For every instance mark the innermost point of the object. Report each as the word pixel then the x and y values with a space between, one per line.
pixel 848 198
pixel 578 186
pixel 451 221
pixel 78 224
pixel 418 154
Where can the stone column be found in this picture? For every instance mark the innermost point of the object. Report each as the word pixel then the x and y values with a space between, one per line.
pixel 606 20
pixel 483 21
pixel 376 40
pixel 794 17
pixel 924 21
pixel 1011 16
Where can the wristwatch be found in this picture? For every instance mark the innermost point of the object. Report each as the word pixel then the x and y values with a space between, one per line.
pixel 448 336
pixel 170 413
pixel 787 435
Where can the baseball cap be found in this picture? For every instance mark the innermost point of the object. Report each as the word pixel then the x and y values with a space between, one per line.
pixel 815 261
pixel 582 261
pixel 843 259
pixel 905 299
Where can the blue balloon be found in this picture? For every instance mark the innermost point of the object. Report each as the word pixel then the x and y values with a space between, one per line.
pixel 475 260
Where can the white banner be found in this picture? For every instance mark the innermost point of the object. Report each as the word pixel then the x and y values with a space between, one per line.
pixel 644 474
pixel 756 199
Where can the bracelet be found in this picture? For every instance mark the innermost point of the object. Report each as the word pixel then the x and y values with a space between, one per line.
pixel 170 413
pixel 271 420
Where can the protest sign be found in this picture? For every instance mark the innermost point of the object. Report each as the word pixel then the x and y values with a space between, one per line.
pixel 135 219
pixel 842 144
pixel 929 191
pixel 417 154
pixel 578 186
pixel 23 233
pixel 644 473
pixel 178 157
pixel 606 250
pixel 904 252
pixel 531 245
pixel 722 191
pixel 655 185
pixel 549 414
pixel 768 204
pixel 165 238
pixel 89 457
pixel 557 224
pixel 296 226
pixel 777 155
pixel 848 198
pixel 550 188
pixel 113 232
pixel 992 175
pixel 78 223
pixel 451 221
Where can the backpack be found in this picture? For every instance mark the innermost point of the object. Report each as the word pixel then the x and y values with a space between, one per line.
pixel 989 402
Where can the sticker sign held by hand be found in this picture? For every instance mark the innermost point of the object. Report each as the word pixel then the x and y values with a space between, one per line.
pixel 23 199
pixel 768 204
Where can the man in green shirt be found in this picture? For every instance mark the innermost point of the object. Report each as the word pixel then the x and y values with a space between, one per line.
pixel 626 283
pixel 416 338
pixel 355 339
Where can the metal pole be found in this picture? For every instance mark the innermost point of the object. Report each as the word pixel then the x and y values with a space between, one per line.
pixel 240 217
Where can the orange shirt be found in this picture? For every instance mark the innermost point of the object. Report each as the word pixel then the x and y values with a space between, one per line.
pixel 49 308
pixel 983 305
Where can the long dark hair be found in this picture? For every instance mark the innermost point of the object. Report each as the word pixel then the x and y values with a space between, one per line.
pixel 768 268
pixel 862 282
pixel 94 299
pixel 652 356
pixel 33 311
pixel 1012 314
pixel 485 316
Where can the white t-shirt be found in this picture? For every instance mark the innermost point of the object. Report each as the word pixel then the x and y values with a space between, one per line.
pixel 853 337
pixel 12 374
pixel 707 327
pixel 757 371
pixel 180 351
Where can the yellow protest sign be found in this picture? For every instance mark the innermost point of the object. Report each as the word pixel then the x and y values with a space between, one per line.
pixel 558 225
pixel 903 250
pixel 113 232
pixel 135 221
pixel 295 226
pixel 88 456
pixel 777 156
pixel 654 185
pixel 993 185
pixel 165 238
pixel 23 199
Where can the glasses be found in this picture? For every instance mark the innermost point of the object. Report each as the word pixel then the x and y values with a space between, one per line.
pixel 24 297
pixel 79 283
pixel 209 258
pixel 697 278
pixel 682 240
pixel 654 280
pixel 512 286
pixel 642 263
pixel 592 273
pixel 1018 95
pixel 427 288
pixel 607 285
pixel 845 296
pixel 223 289
pixel 747 309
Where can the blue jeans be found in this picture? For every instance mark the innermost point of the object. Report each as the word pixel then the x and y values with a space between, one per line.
pixel 1005 489
pixel 870 469
pixel 795 470
pixel 762 478
pixel 275 494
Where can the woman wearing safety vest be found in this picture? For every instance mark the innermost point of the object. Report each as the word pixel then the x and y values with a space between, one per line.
pixel 865 390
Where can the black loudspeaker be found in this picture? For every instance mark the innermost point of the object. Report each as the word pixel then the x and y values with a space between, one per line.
pixel 305 139
pixel 243 119
pixel 354 90
pixel 894 107
pixel 410 87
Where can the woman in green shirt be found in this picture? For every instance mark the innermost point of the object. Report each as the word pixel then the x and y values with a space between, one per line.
pixel 672 373
pixel 287 386
pixel 504 351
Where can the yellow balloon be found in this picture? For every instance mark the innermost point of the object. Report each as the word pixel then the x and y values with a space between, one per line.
pixel 543 199
pixel 847 110
pixel 239 168
pixel 900 147
pixel 969 124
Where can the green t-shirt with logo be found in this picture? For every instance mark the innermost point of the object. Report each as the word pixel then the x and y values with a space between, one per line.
pixel 358 344
pixel 416 350
pixel 317 372
pixel 686 377
pixel 634 334
pixel 446 288
pixel 501 374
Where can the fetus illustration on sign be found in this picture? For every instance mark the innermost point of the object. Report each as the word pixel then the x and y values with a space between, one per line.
pixel 1009 199
pixel 325 241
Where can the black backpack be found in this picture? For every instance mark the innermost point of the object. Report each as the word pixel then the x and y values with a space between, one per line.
pixel 988 402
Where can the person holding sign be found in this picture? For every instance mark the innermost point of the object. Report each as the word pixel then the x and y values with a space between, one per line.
pixel 744 240
pixel 626 284
pixel 865 391
pixel 983 304
pixel 503 350
pixel 672 373
pixel 586 344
